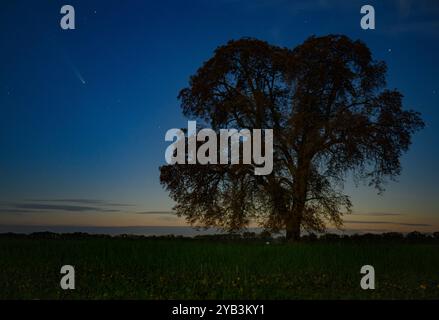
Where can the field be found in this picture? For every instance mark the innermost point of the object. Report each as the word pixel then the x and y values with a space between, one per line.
pixel 109 268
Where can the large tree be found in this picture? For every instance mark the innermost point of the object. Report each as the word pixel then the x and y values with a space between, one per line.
pixel 332 118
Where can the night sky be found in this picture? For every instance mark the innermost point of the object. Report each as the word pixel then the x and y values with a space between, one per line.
pixel 83 113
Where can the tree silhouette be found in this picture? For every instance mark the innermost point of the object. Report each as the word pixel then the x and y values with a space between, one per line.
pixel 332 118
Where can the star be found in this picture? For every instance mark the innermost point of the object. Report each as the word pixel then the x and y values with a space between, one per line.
pixel 389 50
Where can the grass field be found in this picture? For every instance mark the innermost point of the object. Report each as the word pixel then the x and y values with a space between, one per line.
pixel 204 269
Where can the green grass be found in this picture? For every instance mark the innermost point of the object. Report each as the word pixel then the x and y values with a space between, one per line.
pixel 198 269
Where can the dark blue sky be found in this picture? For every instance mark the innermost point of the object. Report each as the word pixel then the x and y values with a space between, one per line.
pixel 83 112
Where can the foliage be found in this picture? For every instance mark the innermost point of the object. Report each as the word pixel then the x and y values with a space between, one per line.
pixel 331 114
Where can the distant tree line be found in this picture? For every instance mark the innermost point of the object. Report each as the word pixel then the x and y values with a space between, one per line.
pixel 264 236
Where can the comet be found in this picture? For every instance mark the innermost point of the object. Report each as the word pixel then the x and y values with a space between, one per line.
pixel 78 74
pixel 75 70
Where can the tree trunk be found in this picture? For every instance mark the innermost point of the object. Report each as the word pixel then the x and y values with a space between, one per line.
pixel 293 231
pixel 295 221
pixel 299 195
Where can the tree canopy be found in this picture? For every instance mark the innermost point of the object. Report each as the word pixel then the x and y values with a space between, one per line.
pixel 332 117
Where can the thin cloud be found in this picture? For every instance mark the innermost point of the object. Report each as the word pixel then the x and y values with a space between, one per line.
pixel 353 231
pixel 377 214
pixel 415 224
pixel 18 211
pixel 52 207
pixel 39 207
pixel 389 222
pixel 84 201
pixel 156 212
